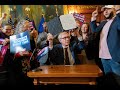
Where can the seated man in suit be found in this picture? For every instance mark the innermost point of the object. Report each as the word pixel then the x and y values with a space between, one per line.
pixel 64 53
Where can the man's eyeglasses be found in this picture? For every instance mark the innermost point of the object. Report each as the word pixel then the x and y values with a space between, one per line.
pixel 68 37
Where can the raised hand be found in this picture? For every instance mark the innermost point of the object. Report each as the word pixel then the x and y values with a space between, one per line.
pixel 95 13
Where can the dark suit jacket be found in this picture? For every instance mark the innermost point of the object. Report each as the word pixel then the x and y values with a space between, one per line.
pixel 56 55
pixel 113 38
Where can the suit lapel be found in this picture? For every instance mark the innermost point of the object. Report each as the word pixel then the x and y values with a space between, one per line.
pixel 102 25
pixel 61 53
pixel 110 28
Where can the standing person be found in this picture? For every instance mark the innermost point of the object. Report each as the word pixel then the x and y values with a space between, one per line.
pixel 75 37
pixel 22 62
pixel 109 39
pixel 91 42
pixel 85 32
pixel 6 67
pixel 117 27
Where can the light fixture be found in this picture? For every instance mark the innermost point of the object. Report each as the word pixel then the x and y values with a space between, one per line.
pixel 10 9
pixel 27 9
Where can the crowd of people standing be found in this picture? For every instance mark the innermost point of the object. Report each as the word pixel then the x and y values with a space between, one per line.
pixel 98 42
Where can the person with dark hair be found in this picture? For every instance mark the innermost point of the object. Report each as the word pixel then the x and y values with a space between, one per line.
pixel 91 45
pixel 6 65
pixel 3 20
pixel 87 52
pixel 42 37
pixel 109 39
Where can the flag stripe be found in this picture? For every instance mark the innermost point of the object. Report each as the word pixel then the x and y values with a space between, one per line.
pixel 80 17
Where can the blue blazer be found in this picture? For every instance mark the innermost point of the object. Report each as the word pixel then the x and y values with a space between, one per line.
pixel 113 38
pixel 56 55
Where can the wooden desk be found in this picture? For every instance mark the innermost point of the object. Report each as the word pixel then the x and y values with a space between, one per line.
pixel 61 74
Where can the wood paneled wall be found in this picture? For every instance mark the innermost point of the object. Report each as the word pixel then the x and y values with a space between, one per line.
pixel 84 9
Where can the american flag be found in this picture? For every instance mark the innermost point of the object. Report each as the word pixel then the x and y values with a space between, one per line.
pixel 80 17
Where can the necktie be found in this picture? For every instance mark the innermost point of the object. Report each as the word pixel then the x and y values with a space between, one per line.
pixel 66 57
